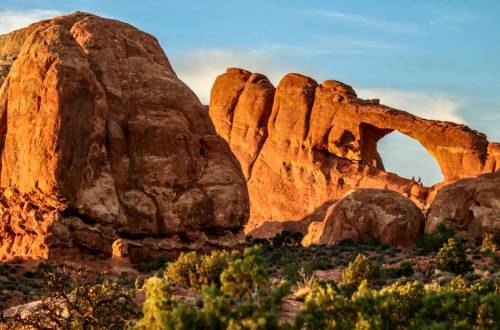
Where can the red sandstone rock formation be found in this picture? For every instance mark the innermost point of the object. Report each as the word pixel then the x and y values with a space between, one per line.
pixel 101 141
pixel 470 206
pixel 368 214
pixel 304 145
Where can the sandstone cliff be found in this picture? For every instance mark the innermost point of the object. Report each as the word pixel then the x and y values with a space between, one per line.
pixel 101 141
pixel 304 145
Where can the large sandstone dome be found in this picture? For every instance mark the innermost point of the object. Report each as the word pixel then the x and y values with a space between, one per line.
pixel 101 141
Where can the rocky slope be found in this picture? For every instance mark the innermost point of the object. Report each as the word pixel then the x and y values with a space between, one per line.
pixel 304 145
pixel 101 141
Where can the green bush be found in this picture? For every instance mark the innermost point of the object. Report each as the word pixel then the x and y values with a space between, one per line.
pixel 246 299
pixel 428 243
pixel 193 270
pixel 156 264
pixel 405 269
pixel 324 308
pixel 362 268
pixel 399 306
pixel 452 257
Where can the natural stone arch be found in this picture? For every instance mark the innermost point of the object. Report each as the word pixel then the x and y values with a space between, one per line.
pixel 370 136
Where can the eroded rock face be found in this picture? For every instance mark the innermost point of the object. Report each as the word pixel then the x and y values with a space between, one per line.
pixel 370 214
pixel 470 206
pixel 102 141
pixel 306 144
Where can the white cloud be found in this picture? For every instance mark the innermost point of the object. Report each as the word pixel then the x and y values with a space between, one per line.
pixel 371 22
pixel 426 105
pixel 198 69
pixel 15 19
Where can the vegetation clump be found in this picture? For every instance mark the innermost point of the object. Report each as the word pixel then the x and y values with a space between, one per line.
pixel 429 243
pixel 452 257
pixel 193 270
pixel 245 299
pixel 361 269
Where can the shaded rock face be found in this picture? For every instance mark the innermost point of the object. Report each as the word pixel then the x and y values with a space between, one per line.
pixel 370 214
pixel 305 144
pixel 101 141
pixel 470 206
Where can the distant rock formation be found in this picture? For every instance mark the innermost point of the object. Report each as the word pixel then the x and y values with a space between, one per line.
pixel 370 214
pixel 102 142
pixel 471 207
pixel 302 145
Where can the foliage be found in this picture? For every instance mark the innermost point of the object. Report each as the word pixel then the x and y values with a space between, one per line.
pixel 428 243
pixel 156 264
pixel 452 257
pixel 400 306
pixel 193 270
pixel 74 300
pixel 246 299
pixel 362 268
pixel 287 238
pixel 405 269
pixel 324 308
pixel 489 243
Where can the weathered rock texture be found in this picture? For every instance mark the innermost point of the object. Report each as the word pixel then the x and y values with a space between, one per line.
pixel 370 214
pixel 470 206
pixel 101 141
pixel 302 144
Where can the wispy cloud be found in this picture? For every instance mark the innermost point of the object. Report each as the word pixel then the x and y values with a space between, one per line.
pixel 198 69
pixel 426 105
pixel 366 21
pixel 15 19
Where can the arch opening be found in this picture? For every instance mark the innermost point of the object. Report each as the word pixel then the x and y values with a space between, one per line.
pixel 406 157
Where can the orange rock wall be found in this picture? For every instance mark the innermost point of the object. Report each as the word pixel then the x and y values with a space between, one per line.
pixel 312 143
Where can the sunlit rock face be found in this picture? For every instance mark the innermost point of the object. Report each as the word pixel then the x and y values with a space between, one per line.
pixel 101 141
pixel 370 215
pixel 304 145
pixel 471 207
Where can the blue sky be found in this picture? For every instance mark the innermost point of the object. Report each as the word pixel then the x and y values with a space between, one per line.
pixel 437 59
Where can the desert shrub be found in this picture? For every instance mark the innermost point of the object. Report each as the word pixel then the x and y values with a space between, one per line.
pixel 304 285
pixel 193 270
pixel 446 309
pixel 292 269
pixel 246 299
pixel 405 269
pixel 287 238
pixel 324 308
pixel 428 243
pixel 156 264
pixel 488 315
pixel 489 243
pixel 73 300
pixel 452 257
pixel 362 268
